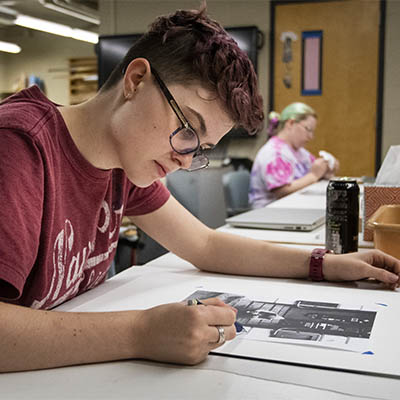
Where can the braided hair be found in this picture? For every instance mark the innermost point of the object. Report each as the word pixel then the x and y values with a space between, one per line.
pixel 189 47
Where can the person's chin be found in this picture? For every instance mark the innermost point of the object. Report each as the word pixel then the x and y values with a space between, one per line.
pixel 302 144
pixel 145 185
pixel 143 182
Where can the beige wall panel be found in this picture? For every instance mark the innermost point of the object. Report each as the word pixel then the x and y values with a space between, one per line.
pixel 347 107
pixel 45 56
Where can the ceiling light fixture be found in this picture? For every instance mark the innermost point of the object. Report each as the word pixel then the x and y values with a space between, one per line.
pixel 67 7
pixel 12 17
pixel 56 29
pixel 9 47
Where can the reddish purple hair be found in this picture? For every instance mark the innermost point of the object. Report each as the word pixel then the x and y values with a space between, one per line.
pixel 187 47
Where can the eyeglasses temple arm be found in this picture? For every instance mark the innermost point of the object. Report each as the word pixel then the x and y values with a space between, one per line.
pixel 171 100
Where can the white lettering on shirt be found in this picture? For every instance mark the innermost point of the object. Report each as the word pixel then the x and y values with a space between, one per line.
pixel 69 269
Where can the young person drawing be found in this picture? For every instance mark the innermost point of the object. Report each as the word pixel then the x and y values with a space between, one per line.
pixel 283 165
pixel 70 173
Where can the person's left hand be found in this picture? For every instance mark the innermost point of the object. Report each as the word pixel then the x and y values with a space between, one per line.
pixel 367 264
pixel 336 166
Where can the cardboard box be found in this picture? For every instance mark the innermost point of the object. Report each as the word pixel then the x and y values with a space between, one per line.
pixel 385 223
pixel 374 197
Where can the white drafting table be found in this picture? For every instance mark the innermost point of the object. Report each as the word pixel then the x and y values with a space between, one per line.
pixel 315 237
pixel 312 196
pixel 153 286
pixel 219 377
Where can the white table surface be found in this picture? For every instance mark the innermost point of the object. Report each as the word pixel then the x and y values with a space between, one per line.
pixel 315 237
pixel 312 196
pixel 219 377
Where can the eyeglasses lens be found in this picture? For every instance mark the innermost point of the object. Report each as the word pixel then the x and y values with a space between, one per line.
pixel 185 141
pixel 200 161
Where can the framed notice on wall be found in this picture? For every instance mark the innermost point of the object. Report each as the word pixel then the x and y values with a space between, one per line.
pixel 311 73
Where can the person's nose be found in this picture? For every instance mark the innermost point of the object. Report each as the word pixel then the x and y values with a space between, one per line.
pixel 184 160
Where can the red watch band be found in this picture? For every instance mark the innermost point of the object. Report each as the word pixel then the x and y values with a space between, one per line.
pixel 317 257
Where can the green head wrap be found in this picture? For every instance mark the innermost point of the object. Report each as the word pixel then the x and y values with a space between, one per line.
pixel 295 111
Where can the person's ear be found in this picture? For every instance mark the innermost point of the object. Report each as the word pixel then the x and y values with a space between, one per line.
pixel 137 71
pixel 290 123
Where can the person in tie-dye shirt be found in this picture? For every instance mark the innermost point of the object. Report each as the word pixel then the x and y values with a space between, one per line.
pixel 283 165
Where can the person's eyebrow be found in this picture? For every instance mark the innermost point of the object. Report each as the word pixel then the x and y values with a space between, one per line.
pixel 203 128
pixel 200 118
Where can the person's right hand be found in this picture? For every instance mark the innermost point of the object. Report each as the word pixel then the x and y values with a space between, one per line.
pixel 319 168
pixel 180 333
pixel 361 265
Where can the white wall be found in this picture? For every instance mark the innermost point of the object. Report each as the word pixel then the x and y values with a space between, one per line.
pixel 391 98
pixel 45 56
pixel 3 82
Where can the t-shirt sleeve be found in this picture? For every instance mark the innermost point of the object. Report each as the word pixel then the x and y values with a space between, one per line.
pixel 21 199
pixel 146 200
pixel 278 171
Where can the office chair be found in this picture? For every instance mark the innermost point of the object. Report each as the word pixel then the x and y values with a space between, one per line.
pixel 201 193
pixel 236 191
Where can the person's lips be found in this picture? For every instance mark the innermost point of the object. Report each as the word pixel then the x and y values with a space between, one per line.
pixel 162 170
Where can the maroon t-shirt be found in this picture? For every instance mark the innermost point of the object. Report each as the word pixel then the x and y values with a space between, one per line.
pixel 59 215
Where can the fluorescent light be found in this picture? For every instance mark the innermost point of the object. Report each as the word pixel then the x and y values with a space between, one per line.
pixel 9 47
pixel 93 19
pixel 87 36
pixel 42 25
pixel 56 29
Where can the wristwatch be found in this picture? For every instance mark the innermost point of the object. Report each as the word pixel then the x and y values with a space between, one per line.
pixel 317 257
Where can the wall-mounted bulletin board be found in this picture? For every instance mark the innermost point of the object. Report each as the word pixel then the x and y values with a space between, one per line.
pixel 311 66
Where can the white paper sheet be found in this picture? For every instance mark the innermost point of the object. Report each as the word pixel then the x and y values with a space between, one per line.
pixel 299 322
pixel 154 287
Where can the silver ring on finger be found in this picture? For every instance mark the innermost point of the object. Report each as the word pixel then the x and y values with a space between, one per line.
pixel 193 302
pixel 221 334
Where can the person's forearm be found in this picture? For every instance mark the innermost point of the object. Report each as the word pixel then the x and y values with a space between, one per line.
pixel 34 339
pixel 296 185
pixel 233 254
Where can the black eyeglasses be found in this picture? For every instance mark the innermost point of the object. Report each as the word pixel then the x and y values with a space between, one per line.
pixel 183 140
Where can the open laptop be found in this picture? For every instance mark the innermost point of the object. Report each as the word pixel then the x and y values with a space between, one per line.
pixel 286 219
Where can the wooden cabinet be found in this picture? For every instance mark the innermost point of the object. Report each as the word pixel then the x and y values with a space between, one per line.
pixel 4 95
pixel 83 79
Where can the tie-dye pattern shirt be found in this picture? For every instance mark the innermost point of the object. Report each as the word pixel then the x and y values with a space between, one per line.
pixel 276 164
